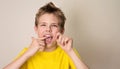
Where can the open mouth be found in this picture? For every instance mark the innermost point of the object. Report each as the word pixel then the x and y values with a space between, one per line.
pixel 48 38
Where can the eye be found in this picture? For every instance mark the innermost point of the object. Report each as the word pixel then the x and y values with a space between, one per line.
pixel 42 25
pixel 54 25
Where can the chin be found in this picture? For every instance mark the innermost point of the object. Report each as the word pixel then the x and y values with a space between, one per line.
pixel 50 45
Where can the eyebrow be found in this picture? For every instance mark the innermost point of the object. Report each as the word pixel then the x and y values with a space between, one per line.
pixel 46 23
pixel 55 23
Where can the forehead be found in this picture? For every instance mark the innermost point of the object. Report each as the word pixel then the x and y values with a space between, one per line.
pixel 48 18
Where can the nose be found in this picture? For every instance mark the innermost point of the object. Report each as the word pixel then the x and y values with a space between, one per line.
pixel 48 29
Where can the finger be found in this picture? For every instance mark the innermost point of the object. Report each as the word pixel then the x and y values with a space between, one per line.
pixel 42 38
pixel 67 40
pixel 58 35
pixel 70 42
pixel 39 40
pixel 41 48
pixel 41 44
pixel 63 40
pixel 60 39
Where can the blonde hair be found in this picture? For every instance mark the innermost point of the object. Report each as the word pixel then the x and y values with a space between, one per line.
pixel 51 9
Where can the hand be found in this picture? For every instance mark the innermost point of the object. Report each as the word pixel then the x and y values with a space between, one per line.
pixel 37 44
pixel 64 42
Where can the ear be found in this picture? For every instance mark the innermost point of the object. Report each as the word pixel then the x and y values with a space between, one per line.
pixel 36 29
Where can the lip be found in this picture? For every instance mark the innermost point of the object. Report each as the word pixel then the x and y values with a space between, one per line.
pixel 48 36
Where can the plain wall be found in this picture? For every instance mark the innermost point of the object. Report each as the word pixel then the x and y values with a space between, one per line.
pixel 93 24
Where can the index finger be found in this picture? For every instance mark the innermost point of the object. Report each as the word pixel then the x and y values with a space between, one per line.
pixel 58 35
pixel 42 38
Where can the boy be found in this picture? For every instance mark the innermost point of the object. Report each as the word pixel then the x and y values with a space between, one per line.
pixel 51 50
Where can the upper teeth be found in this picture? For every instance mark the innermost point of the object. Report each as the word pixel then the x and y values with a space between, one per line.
pixel 48 36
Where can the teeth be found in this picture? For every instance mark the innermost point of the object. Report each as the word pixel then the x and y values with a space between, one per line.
pixel 48 36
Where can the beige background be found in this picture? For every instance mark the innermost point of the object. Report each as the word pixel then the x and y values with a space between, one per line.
pixel 93 24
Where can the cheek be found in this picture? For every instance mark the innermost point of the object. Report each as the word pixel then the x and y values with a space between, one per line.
pixel 40 32
pixel 55 34
pixel 55 31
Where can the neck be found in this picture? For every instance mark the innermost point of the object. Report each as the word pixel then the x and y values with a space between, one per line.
pixel 52 48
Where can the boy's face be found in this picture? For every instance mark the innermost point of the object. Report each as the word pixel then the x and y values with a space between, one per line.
pixel 48 26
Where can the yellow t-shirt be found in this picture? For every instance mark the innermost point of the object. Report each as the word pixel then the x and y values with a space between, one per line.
pixel 56 59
